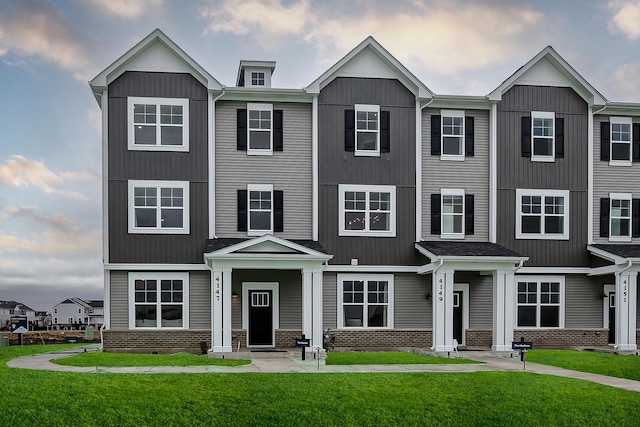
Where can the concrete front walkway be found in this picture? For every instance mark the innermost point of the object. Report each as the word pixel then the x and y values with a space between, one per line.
pixel 293 363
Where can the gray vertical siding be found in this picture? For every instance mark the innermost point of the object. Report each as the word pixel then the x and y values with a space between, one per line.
pixel 480 298
pixel 336 166
pixel 200 300
pixel 289 170
pixel 125 165
pixel 583 305
pixel 568 173
pixel 411 308
pixel 472 174
pixel 119 300
pixel 610 179
pixel 329 300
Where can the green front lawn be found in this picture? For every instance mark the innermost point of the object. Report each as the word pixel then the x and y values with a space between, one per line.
pixel 98 358
pixel 388 358
pixel 328 399
pixel 613 365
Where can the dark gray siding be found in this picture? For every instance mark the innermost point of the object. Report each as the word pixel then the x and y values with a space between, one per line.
pixel 125 165
pixel 583 305
pixel 336 166
pixel 568 173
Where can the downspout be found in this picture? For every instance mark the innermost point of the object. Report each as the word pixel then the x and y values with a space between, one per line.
pixel 418 166
pixel 590 168
pixel 515 270
pixel 212 163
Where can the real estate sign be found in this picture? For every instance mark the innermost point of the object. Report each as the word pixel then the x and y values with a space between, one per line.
pixel 19 325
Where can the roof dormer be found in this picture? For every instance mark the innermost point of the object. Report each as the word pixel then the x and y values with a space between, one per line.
pixel 255 73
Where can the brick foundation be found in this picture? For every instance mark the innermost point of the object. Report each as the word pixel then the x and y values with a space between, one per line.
pixel 382 339
pixel 478 338
pixel 564 338
pixel 128 341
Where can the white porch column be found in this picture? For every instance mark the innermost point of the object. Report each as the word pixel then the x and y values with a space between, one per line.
pixel 503 309
pixel 307 302
pixel 216 309
pixel 443 310
pixel 226 310
pixel 626 297
pixel 316 335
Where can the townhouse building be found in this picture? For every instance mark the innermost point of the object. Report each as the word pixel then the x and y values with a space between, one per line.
pixel 78 311
pixel 364 203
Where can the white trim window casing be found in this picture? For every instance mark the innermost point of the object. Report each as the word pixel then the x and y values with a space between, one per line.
pixel 158 124
pixel 258 78
pixel 367 130
pixel 542 136
pixel 260 129
pixel 452 139
pixel 158 207
pixel 365 301
pixel 367 210
pixel 452 213
pixel 158 300
pixel 542 214
pixel 621 135
pixel 620 217
pixel 259 209
pixel 540 302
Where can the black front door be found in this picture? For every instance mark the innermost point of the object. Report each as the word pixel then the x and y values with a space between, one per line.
pixel 260 318
pixel 612 318
pixel 457 316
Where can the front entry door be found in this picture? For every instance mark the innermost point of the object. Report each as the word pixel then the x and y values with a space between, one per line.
pixel 260 318
pixel 612 318
pixel 457 316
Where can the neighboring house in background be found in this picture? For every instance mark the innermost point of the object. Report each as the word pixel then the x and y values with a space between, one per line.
pixel 43 319
pixel 77 311
pixel 367 204
pixel 9 309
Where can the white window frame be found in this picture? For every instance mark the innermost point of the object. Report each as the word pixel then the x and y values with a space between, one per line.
pixel 133 184
pixel 539 280
pixel 368 109
pixel 258 187
pixel 257 73
pixel 620 196
pixel 542 194
pixel 451 192
pixel 389 278
pixel 70 320
pixel 453 114
pixel 622 121
pixel 543 115
pixel 259 151
pixel 158 277
pixel 368 189
pixel 183 102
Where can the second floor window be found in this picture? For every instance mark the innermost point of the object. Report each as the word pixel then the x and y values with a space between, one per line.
pixel 621 139
pixel 367 210
pixel 367 130
pixel 158 124
pixel 452 134
pixel 542 214
pixel 260 130
pixel 542 136
pixel 260 210
pixel 159 207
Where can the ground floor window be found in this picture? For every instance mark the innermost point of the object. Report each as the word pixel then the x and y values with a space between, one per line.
pixel 158 300
pixel 365 300
pixel 540 302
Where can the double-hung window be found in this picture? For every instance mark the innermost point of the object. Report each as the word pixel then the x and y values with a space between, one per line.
pixel 542 131
pixel 160 124
pixel 452 135
pixel 365 301
pixel 158 300
pixel 542 214
pixel 260 129
pixel 540 302
pixel 367 130
pixel 367 210
pixel 452 213
pixel 621 137
pixel 159 207
pixel 260 210
pixel 620 217
pixel 257 78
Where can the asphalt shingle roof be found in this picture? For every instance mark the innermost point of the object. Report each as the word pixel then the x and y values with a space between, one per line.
pixel 468 249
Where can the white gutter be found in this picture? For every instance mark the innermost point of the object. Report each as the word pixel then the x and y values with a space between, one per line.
pixel 212 162
pixel 419 168
pixel 590 159
pixel 314 168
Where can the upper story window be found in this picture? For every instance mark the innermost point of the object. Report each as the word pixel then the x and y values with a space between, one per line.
pixel 257 78
pixel 367 210
pixel 260 210
pixel 619 217
pixel 621 136
pixel 540 302
pixel 159 207
pixel 260 130
pixel 365 300
pixel 452 214
pixel 158 124
pixel 452 134
pixel 367 130
pixel 158 300
pixel 542 214
pixel 542 129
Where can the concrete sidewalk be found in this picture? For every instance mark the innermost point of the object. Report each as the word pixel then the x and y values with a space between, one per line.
pixel 293 364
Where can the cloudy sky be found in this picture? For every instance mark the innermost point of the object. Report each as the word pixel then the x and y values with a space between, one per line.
pixel 50 214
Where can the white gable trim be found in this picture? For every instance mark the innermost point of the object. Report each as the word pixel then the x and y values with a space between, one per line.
pixel 289 248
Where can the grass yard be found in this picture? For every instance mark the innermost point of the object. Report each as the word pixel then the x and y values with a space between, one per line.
pixel 613 365
pixel 261 399
pixel 108 360
pixel 388 358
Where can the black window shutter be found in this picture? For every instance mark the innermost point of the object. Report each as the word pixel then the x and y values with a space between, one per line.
pixel 635 218
pixel 636 142
pixel 526 136
pixel 350 130
pixel 604 142
pixel 278 210
pixel 559 138
pixel 435 136
pixel 468 137
pixel 604 217
pixel 468 214
pixel 277 130
pixel 385 132
pixel 242 210
pixel 435 213
pixel 242 129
